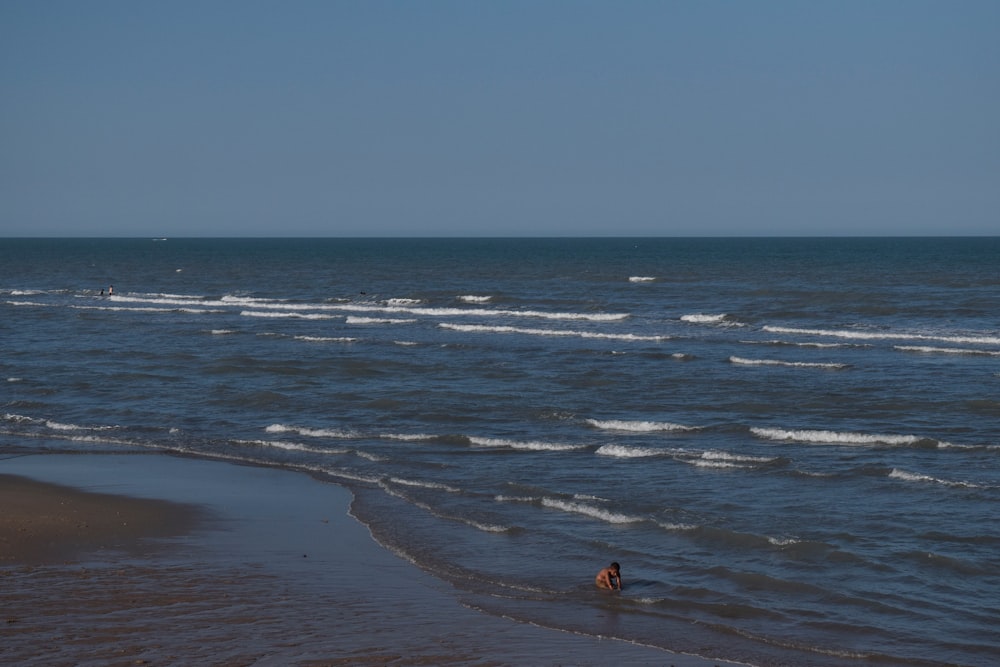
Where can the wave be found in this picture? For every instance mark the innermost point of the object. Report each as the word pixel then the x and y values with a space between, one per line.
pixel 800 344
pixel 275 305
pixel 472 298
pixel 641 279
pixel 353 319
pixel 25 303
pixel 722 319
pixel 590 511
pixel 271 313
pixel 223 332
pixel 402 302
pixel 714 455
pixel 839 438
pixel 627 452
pixel 638 426
pixel 290 446
pixel 530 445
pixel 397 493
pixel 310 432
pixel 548 332
pixel 718 459
pixel 873 335
pixel 424 485
pixel 407 437
pixel 946 350
pixel 326 339
pixel 701 318
pixel 896 473
pixel 140 309
pixel 793 364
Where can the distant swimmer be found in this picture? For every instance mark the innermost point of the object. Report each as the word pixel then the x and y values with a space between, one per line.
pixel 610 577
pixel 111 289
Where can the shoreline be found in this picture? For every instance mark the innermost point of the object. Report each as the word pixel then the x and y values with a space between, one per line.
pixel 169 560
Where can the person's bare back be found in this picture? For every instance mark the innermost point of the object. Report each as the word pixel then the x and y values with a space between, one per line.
pixel 610 577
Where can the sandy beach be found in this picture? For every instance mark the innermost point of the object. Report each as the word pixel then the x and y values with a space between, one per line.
pixel 160 560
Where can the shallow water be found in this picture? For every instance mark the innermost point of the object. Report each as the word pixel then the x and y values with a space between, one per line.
pixel 791 445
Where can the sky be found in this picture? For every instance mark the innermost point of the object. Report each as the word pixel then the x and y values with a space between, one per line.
pixel 500 118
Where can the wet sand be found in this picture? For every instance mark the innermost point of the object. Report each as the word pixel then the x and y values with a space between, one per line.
pixel 159 560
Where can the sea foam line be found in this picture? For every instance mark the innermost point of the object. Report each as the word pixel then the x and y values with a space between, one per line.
pixel 310 432
pixel 590 511
pixel 354 319
pixel 716 319
pixel 917 477
pixel 482 328
pixel 870 335
pixel 946 350
pixel 269 305
pixel 271 313
pixel 835 437
pixel 793 364
pixel 637 426
pixel 530 445
pixel 627 452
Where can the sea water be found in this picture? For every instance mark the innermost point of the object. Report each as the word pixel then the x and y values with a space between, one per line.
pixel 792 446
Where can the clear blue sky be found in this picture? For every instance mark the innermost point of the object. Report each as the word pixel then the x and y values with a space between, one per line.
pixel 502 118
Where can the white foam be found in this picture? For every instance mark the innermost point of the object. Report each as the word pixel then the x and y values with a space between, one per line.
pixel 424 485
pixel 407 437
pixel 290 446
pixel 481 328
pixel 714 455
pixel 946 350
pixel 310 432
pixel 530 445
pixel 271 313
pixel 637 426
pixel 590 510
pixel 701 318
pixel 149 309
pixel 354 319
pixel 326 339
pixel 834 437
pixel 472 298
pixel 641 279
pixel 22 419
pixel 800 344
pixel 57 426
pixel 792 364
pixel 223 332
pixel 403 302
pixel 876 335
pixel 15 379
pixel 702 463
pixel 917 477
pixel 626 452
pixel 270 305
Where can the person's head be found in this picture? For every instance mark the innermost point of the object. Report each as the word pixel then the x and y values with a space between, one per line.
pixel 616 567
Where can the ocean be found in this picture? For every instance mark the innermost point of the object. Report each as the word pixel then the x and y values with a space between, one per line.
pixel 792 446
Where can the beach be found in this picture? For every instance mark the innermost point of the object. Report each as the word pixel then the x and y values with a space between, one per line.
pixel 155 559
